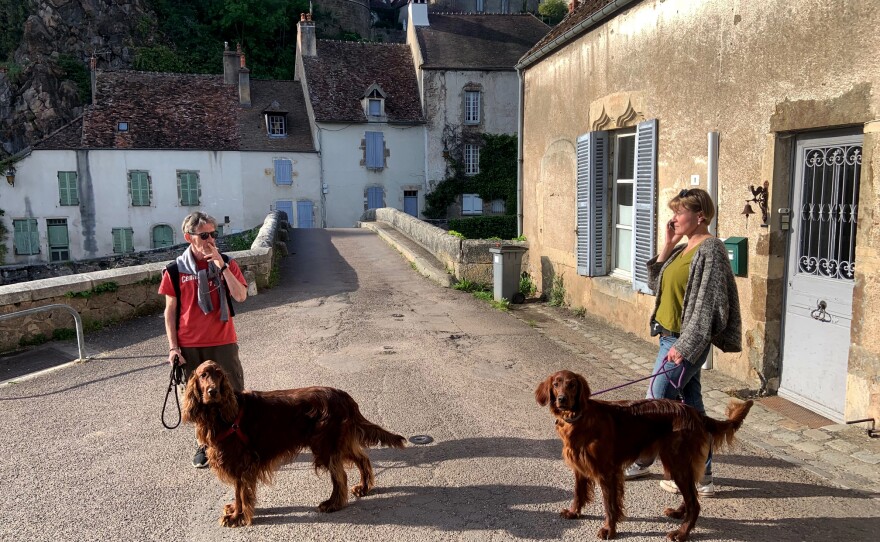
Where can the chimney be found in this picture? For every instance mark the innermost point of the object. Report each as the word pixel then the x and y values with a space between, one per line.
pixel 93 69
pixel 417 12
pixel 305 42
pixel 573 6
pixel 230 64
pixel 244 84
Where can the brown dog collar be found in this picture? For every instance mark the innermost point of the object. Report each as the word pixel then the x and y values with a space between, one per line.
pixel 574 418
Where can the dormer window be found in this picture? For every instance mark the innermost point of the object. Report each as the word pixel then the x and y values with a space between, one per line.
pixel 276 124
pixel 374 103
pixel 276 120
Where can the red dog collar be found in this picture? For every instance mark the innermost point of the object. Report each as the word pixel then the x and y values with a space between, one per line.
pixel 235 428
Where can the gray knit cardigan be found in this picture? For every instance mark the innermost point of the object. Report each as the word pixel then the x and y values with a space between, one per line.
pixel 710 308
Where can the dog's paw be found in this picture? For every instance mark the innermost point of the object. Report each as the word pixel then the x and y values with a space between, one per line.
pixel 233 520
pixel 229 509
pixel 565 513
pixel 360 491
pixel 674 513
pixel 329 506
pixel 676 536
pixel 606 533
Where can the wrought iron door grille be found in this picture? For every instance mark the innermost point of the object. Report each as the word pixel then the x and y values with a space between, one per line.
pixel 829 211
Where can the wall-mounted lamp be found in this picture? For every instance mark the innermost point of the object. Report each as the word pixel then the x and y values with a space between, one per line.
pixel 10 175
pixel 759 196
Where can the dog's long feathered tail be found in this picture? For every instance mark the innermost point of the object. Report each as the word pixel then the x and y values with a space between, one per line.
pixel 372 434
pixel 722 431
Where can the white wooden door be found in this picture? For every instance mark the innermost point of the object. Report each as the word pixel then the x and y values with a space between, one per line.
pixel 821 269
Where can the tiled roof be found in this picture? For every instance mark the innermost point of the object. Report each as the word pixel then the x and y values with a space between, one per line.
pixel 585 9
pixel 68 136
pixel 343 70
pixel 475 41
pixel 282 96
pixel 163 111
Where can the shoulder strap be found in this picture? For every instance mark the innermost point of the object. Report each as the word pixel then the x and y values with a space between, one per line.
pixel 174 275
pixel 228 297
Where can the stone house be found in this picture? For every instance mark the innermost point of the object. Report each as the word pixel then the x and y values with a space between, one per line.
pixel 151 148
pixel 468 86
pixel 627 102
pixel 367 124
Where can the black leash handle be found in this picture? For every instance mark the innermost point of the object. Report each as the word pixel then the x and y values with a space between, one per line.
pixel 175 379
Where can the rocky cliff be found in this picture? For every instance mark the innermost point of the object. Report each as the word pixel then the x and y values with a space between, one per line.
pixel 46 83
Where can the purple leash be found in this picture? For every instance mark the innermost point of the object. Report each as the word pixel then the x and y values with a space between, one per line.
pixel 676 386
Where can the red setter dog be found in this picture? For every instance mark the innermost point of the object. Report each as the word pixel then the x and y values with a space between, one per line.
pixel 250 434
pixel 600 438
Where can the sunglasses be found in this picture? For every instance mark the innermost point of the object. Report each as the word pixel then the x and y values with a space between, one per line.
pixel 204 235
pixel 681 194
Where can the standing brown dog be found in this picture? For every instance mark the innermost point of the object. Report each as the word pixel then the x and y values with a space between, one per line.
pixel 600 438
pixel 250 434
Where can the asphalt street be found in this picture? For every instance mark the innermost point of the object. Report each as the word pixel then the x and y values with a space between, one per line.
pixel 83 455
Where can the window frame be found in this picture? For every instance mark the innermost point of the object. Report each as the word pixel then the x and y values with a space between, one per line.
pixel 63 251
pixel 141 190
pixel 615 227
pixel 190 190
pixel 125 241
pixel 471 159
pixel 68 189
pixel 31 233
pixel 475 210
pixel 276 124
pixel 473 101
pixel 374 157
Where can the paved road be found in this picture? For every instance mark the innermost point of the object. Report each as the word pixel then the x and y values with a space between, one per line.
pixel 84 457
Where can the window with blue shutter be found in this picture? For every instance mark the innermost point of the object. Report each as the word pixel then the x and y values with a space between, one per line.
pixel 26 236
pixel 188 190
pixel 374 150
pixel 139 188
pixel 592 205
pixel 163 236
pixel 122 240
pixel 644 219
pixel 283 171
pixel 471 204
pixel 375 197
pixel 68 194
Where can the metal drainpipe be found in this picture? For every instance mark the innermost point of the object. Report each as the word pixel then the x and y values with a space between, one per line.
pixel 712 189
pixel 322 181
pixel 519 156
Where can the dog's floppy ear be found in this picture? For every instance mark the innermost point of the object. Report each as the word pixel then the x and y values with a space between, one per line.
pixel 544 391
pixel 192 400
pixel 228 402
pixel 583 392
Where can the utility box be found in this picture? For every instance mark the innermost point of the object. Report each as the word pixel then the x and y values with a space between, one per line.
pixel 738 254
pixel 506 265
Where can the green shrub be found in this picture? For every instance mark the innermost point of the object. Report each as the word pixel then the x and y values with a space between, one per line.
pixel 485 227
pixel 526 286
pixel 557 292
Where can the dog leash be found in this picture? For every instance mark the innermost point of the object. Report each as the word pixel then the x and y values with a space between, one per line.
pixel 176 379
pixel 652 377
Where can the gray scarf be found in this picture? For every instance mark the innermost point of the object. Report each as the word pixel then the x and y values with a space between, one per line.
pixel 186 263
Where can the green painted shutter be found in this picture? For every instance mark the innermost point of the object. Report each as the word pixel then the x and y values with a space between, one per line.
pixel 188 188
pixel 26 236
pixel 163 236
pixel 67 189
pixel 139 188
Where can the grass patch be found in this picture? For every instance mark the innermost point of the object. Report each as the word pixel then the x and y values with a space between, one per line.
pixel 63 334
pixel 241 241
pixel 489 297
pixel 580 312
pixel 456 234
pixel 33 340
pixel 97 290
pixel 466 285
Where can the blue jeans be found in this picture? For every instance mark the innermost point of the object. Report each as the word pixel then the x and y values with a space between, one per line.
pixel 678 386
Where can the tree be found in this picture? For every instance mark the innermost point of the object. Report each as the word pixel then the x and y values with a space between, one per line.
pixel 553 10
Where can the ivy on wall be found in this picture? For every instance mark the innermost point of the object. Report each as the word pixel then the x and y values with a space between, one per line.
pixel 3 234
pixel 497 177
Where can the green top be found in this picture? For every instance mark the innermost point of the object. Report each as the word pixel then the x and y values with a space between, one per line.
pixel 672 290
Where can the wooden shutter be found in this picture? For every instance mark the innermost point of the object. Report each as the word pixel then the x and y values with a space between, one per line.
pixel 592 203
pixel 375 197
pixel 26 236
pixel 67 190
pixel 644 213
pixel 162 236
pixel 127 242
pixel 375 151
pixel 117 240
pixel 188 187
pixel 283 171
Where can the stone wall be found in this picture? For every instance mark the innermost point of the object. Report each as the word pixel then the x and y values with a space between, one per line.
pixel 468 259
pixel 93 294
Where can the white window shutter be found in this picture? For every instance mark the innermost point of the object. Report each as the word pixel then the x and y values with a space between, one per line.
pixel 592 203
pixel 644 213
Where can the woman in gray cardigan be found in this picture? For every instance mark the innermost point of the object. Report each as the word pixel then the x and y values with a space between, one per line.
pixel 697 306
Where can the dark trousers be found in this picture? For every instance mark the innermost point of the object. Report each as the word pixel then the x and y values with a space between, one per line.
pixel 225 356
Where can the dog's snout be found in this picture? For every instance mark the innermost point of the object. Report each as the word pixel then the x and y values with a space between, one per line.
pixel 212 391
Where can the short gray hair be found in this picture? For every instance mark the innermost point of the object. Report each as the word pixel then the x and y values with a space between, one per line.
pixel 196 219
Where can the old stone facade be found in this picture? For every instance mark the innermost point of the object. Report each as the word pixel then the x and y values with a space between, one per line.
pixel 776 85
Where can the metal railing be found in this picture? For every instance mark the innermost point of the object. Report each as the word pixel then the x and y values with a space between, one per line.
pixel 76 318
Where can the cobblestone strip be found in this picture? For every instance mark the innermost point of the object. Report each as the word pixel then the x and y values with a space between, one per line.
pixel 840 454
